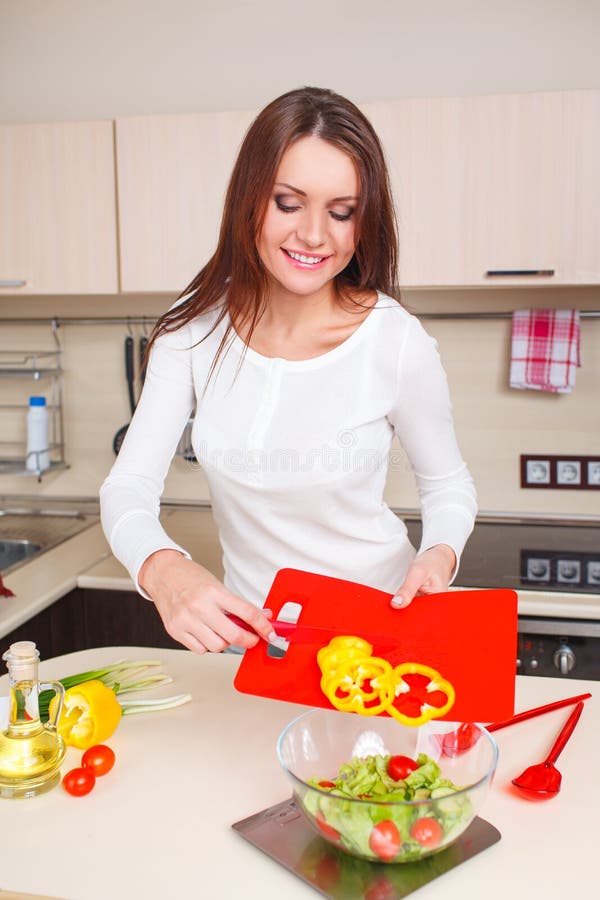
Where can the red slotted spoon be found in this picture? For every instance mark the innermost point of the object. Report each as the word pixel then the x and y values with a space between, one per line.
pixel 542 781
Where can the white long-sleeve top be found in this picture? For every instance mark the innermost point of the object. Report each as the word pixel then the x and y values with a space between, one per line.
pixel 296 453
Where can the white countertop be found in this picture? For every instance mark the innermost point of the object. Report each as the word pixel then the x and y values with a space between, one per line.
pixel 86 561
pixel 159 825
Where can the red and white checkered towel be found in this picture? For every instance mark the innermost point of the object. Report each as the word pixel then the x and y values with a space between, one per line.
pixel 545 349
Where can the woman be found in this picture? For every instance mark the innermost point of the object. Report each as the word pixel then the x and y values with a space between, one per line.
pixel 302 367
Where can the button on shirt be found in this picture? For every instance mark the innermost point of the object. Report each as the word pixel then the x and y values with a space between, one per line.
pixel 296 453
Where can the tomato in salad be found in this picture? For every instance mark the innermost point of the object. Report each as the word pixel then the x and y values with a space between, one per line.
pixel 384 840
pixel 427 831
pixel 79 781
pixel 399 767
pixel 324 826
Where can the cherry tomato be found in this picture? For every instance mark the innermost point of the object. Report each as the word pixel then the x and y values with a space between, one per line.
pixel 327 784
pixel 428 832
pixel 79 781
pixel 399 767
pixel 99 758
pixel 381 889
pixel 327 873
pixel 384 840
pixel 325 828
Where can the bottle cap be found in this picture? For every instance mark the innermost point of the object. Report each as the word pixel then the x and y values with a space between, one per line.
pixel 21 659
pixel 37 401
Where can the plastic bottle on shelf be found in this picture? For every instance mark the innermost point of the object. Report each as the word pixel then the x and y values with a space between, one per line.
pixel 38 456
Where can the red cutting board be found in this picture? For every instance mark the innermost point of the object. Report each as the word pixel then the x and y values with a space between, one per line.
pixel 469 637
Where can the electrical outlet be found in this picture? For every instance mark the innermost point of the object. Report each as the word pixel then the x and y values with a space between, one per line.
pixel 593 472
pixel 559 568
pixel 568 471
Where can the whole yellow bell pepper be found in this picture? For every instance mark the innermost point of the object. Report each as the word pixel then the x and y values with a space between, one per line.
pixel 90 714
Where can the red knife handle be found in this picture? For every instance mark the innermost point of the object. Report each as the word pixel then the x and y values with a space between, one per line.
pixel 282 629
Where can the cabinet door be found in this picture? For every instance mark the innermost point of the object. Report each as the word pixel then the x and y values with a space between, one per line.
pixel 56 630
pixel 58 209
pixel 123 619
pixel 172 176
pixel 425 147
pixel 495 184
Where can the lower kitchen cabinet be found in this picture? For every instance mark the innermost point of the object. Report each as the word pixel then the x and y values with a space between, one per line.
pixel 58 629
pixel 123 618
pixel 87 618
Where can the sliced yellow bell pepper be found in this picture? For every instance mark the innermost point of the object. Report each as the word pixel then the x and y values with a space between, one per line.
pixel 422 694
pixel 340 649
pixel 363 686
pixel 90 714
pixel 354 681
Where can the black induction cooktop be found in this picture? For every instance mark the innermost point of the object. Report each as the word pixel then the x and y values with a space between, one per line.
pixel 545 556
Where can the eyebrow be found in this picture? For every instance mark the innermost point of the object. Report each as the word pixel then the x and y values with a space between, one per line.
pixel 303 193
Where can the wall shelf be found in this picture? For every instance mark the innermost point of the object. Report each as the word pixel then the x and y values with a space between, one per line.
pixel 44 368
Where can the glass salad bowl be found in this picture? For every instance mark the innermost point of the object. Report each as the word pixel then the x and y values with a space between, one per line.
pixel 383 791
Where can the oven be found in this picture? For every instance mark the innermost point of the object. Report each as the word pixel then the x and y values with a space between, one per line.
pixel 554 566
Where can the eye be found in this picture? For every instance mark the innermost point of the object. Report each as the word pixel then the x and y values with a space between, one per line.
pixel 341 217
pixel 285 207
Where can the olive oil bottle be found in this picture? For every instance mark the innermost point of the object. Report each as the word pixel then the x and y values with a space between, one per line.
pixel 31 752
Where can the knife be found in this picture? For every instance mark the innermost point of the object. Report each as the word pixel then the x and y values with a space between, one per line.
pixel 314 634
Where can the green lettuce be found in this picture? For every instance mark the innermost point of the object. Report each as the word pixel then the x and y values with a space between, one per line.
pixel 366 778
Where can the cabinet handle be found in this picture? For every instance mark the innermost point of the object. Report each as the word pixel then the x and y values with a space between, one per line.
pixel 12 282
pixel 531 273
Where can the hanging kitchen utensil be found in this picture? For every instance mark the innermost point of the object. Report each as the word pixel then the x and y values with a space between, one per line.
pixel 120 435
pixel 142 360
pixel 469 637
pixel 542 781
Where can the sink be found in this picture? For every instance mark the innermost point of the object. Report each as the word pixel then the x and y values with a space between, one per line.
pixel 27 535
pixel 15 551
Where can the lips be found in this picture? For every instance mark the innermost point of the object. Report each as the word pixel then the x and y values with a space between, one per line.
pixel 305 260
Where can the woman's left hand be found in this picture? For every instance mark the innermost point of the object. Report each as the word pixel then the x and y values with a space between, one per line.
pixel 429 573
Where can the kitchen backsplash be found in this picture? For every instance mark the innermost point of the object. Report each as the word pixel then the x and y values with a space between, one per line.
pixel 495 424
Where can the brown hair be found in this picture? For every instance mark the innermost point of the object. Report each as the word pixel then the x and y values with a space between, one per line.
pixel 235 276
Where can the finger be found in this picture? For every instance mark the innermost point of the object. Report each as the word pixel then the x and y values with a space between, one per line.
pixel 222 630
pixel 413 583
pixel 192 643
pixel 212 633
pixel 254 617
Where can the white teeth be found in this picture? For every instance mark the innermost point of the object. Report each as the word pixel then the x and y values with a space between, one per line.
pixel 308 260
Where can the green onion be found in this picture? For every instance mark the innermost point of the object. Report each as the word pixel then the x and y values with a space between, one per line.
pixel 122 677
pixel 133 707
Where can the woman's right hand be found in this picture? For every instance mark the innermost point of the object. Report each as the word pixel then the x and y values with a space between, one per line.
pixel 193 605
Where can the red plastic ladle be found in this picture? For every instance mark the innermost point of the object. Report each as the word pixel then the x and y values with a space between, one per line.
pixel 542 780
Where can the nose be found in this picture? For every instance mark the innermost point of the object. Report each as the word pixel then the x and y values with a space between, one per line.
pixel 312 228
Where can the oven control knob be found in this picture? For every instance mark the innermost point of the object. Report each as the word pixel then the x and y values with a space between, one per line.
pixel 564 659
pixel 533 663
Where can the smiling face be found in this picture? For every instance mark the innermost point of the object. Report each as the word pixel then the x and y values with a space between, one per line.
pixel 308 233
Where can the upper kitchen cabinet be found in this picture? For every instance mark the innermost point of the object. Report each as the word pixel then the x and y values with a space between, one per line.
pixel 491 185
pixel 58 225
pixel 172 177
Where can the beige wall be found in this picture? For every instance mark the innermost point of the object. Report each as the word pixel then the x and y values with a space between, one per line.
pixel 494 423
pixel 88 59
